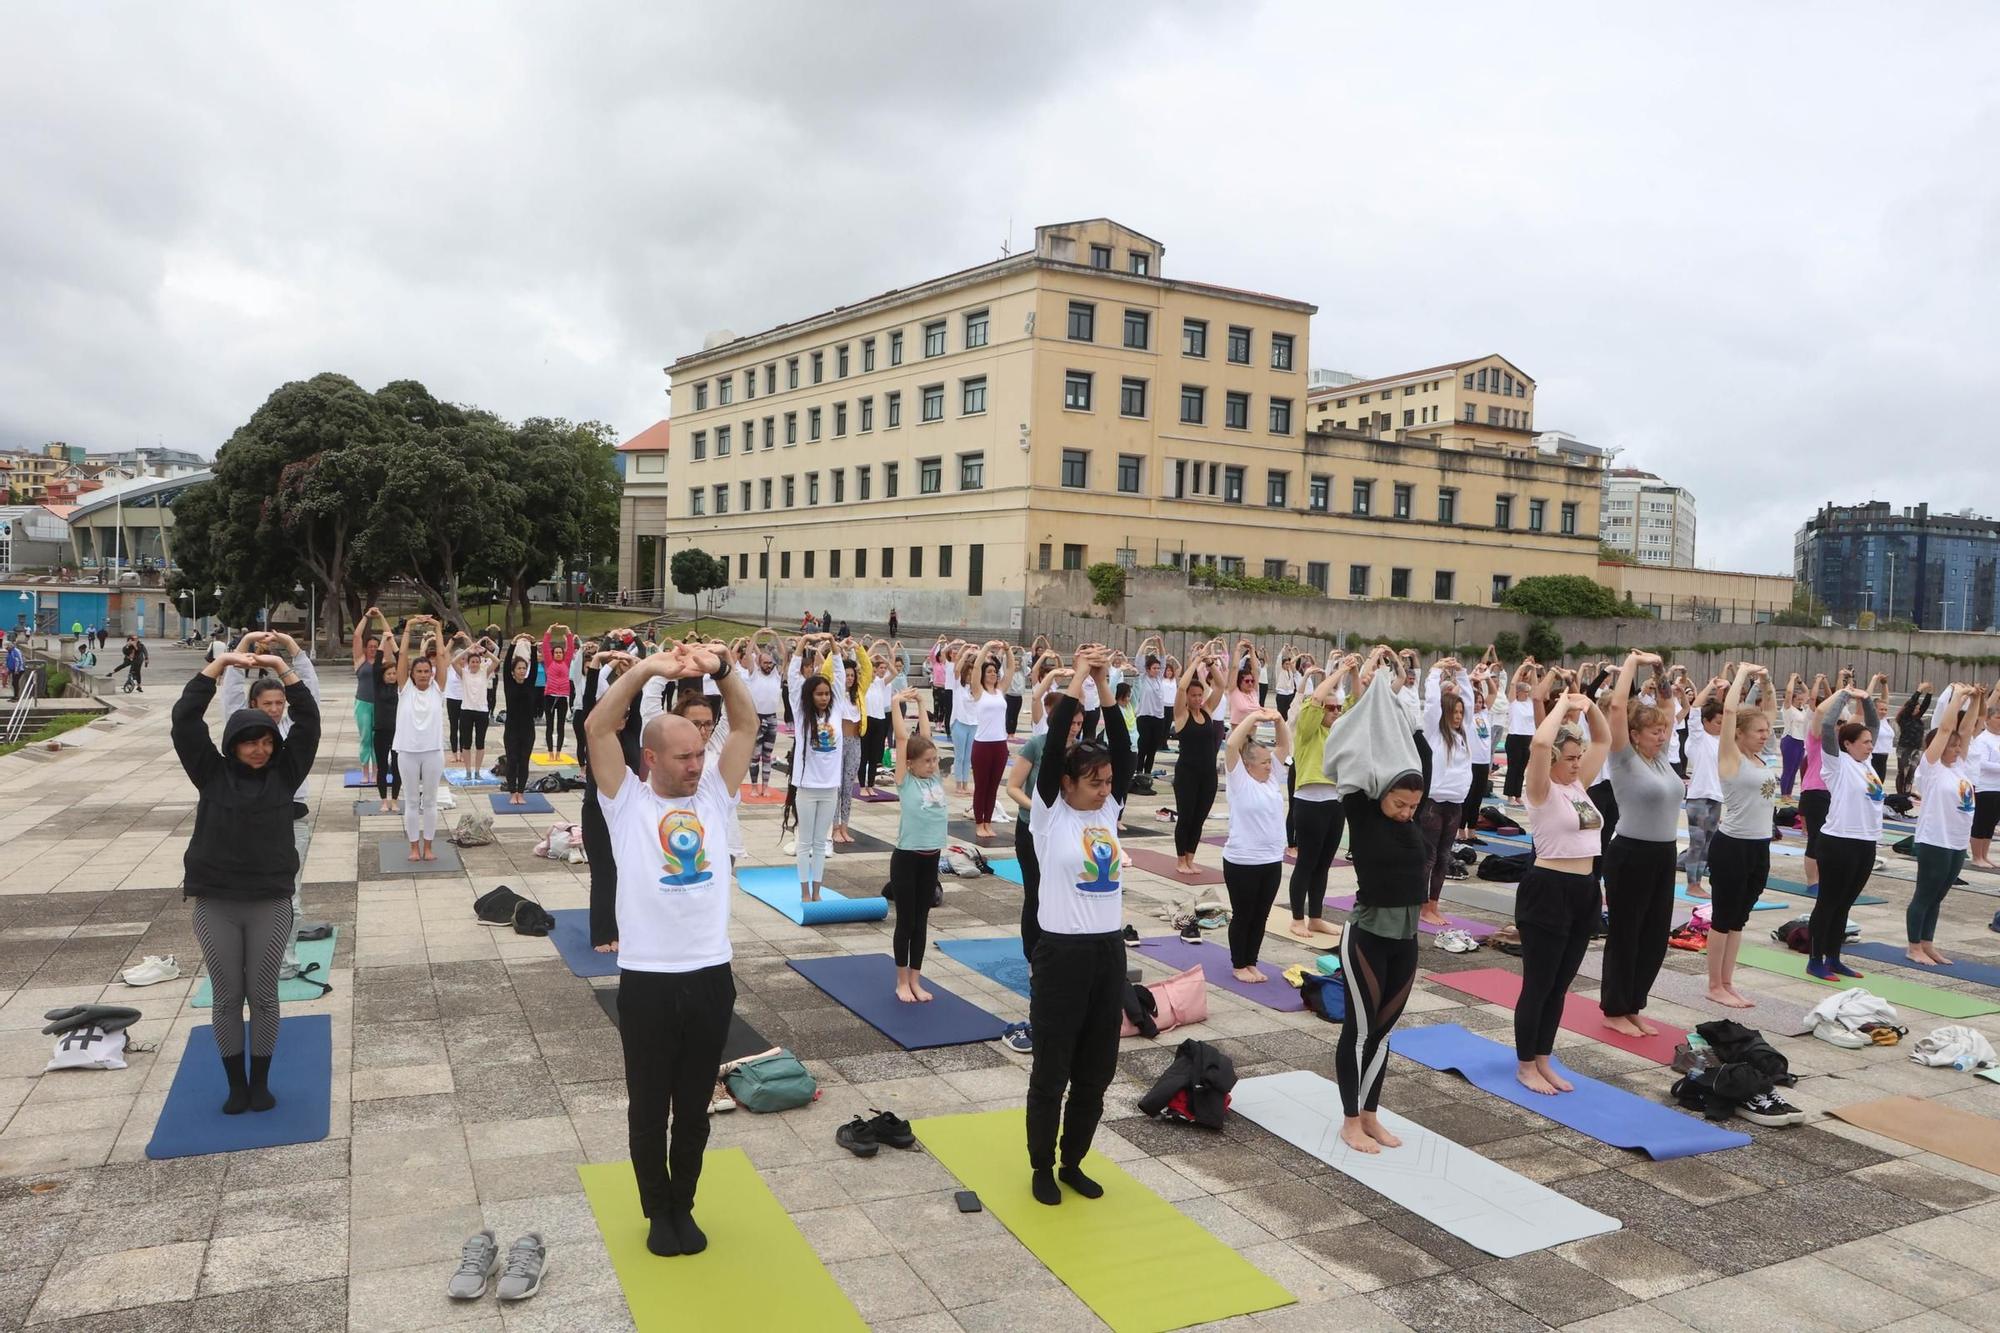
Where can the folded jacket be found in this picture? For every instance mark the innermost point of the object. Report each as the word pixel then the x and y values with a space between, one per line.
pixel 110 1017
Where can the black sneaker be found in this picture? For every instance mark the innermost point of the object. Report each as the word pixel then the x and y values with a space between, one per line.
pixel 890 1128
pixel 1768 1108
pixel 1191 933
pixel 1131 934
pixel 858 1137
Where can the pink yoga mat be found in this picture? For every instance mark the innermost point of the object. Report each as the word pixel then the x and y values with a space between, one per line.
pixel 1273 993
pixel 1579 1015
pixel 1479 930
pixel 1163 865
pixel 1290 860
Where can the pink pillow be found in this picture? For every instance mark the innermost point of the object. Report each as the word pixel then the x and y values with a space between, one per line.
pixel 1183 998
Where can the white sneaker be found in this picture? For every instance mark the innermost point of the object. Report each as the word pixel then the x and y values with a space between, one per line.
pixel 152 971
pixel 721 1103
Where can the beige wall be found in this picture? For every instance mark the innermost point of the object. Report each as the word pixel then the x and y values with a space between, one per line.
pixel 1712 595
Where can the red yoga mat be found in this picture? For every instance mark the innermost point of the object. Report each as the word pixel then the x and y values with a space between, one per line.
pixel 1163 865
pixel 1497 986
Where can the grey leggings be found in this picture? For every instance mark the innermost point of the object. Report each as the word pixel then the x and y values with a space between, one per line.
pixel 242 944
pixel 850 773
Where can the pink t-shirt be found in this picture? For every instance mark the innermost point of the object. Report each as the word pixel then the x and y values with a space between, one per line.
pixel 1813 779
pixel 1567 826
pixel 555 665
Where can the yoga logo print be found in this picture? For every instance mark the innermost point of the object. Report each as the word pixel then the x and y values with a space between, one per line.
pixel 1874 788
pixel 1100 858
pixel 822 737
pixel 682 853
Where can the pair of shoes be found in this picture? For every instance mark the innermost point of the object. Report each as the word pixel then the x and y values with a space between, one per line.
pixel 1131 937
pixel 521 1275
pixel 1191 932
pixel 1768 1108
pixel 152 971
pixel 1017 1037
pixel 1456 941
pixel 1457 869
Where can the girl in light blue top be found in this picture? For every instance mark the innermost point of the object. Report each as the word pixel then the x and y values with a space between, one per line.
pixel 920 834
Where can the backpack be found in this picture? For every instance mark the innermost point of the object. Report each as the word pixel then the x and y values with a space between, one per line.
pixel 1795 934
pixel 1506 869
pixel 1325 996
pixel 472 830
pixel 504 907
pixel 965 862
pixel 776 1082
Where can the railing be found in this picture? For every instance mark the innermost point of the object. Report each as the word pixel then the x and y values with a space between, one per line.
pixel 17 718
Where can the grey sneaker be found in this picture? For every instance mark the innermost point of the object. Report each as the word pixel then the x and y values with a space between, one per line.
pixel 527 1263
pixel 478 1261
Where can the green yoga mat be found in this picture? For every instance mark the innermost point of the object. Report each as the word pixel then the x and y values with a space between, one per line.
pixel 1131 1256
pixel 1908 994
pixel 758 1272
pixel 310 951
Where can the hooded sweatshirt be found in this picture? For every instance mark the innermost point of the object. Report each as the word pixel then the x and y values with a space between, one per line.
pixel 242 845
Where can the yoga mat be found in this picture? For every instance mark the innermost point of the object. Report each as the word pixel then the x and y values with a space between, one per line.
pixel 536 804
pixel 757 1272
pixel 1945 1130
pixel 1798 890
pixel 1009 870
pixel 1290 860
pixel 394 854
pixel 1479 930
pixel 455 777
pixel 962 830
pixel 778 887
pixel 1580 1015
pixel 1902 994
pixel 1607 1114
pixel 1686 899
pixel 192 1123
pixel 1132 1257
pixel 865 794
pixel 544 759
pixel 742 1042
pixel 863 843
pixel 1450 1186
pixel 1691 992
pixel 1985 974
pixel 289 988
pixel 1279 923
pixel 745 795
pixel 999 959
pixel 1480 894
pixel 572 940
pixel 1159 863
pixel 866 984
pixel 1179 954
pixel 372 809
pixel 352 778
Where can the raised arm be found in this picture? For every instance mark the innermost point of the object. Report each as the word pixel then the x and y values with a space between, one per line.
pixel 403 646
pixel 1541 751
pixel 600 727
pixel 739 715
pixel 899 726
pixel 1621 696
pixel 1241 735
pixel 1727 757
pixel 1055 744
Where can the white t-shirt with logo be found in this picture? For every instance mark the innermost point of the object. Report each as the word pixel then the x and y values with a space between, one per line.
pixel 1945 817
pixel 673 864
pixel 1081 891
pixel 1982 761
pixel 1704 782
pixel 1854 794
pixel 1256 816
pixel 1480 734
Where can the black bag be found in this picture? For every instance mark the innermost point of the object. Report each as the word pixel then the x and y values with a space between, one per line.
pixel 1734 1043
pixel 504 907
pixel 1795 934
pixel 1506 869
pixel 1140 1007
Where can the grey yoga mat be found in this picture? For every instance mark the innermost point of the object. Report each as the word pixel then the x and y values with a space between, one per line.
pixel 1777 1016
pixel 1479 1201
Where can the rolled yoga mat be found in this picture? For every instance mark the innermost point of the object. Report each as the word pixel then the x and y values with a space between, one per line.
pixel 866 985
pixel 757 1272
pixel 1690 992
pixel 1963 1136
pixel 998 959
pixel 778 887
pixel 1480 1202
pixel 1959 969
pixel 191 1122
pixel 1274 992
pixel 316 955
pixel 572 940
pixel 1902 994
pixel 1607 1114
pixel 1132 1257
pixel 1581 1016
pixel 536 804
pixel 1163 865
pixel 1479 930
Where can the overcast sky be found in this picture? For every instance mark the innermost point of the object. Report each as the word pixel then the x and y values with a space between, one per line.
pixel 1758 251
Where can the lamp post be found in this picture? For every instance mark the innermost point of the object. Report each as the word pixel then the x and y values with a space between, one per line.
pixel 768 539
pixel 1456 621
pixel 194 604
pixel 312 617
pixel 1617 633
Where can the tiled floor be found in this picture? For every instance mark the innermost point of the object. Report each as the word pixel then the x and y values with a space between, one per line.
pixel 472 1073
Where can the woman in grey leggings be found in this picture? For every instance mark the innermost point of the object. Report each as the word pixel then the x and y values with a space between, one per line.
pixel 241 859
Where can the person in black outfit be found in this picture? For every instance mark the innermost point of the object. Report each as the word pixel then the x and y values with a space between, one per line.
pixel 388 773
pixel 596 833
pixel 524 705
pixel 1200 738
pixel 1378 947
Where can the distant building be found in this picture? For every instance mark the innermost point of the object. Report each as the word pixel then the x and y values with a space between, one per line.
pixel 1484 404
pixel 1648 519
pixel 642 516
pixel 1934 570
pixel 1709 596
pixel 32 537
pixel 1572 450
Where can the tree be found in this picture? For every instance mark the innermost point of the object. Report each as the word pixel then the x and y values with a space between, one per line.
pixel 446 506
pixel 1564 595
pixel 1804 612
pixel 694 572
pixel 1611 555
pixel 1542 643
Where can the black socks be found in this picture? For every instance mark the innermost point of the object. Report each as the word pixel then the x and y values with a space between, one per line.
pixel 693 1241
pixel 260 1080
pixel 1082 1184
pixel 239 1086
pixel 660 1237
pixel 1044 1186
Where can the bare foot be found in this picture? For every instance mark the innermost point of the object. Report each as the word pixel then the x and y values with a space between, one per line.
pixel 1249 974
pixel 1531 1078
pixel 1743 1001
pixel 415 855
pixel 429 853
pixel 382 809
pixel 1357 1138
pixel 1626 1024
pixel 1324 927
pixel 1724 996
pixel 983 830
pixel 1916 954
pixel 1300 929
pixel 1555 1080
pixel 923 996
pixel 903 994
pixel 1186 868
pixel 1645 1028
pixel 1431 914
pixel 517 799
pixel 1936 957
pixel 1374 1127
pixel 1697 891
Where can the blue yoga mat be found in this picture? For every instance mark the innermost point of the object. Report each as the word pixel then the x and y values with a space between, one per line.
pixel 1985 974
pixel 1609 1115
pixel 456 777
pixel 352 778
pixel 572 940
pixel 866 984
pixel 1009 870
pixel 778 887
pixel 192 1123
pixel 1686 899
pixel 999 958
pixel 1798 890
pixel 537 804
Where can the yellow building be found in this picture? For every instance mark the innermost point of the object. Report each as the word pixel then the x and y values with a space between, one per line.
pixel 27 476
pixel 1483 403
pixel 926 448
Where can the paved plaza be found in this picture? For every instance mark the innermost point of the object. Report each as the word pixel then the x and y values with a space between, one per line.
pixel 473 1073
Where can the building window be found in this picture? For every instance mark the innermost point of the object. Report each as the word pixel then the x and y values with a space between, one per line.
pixel 770 431
pixel 896 348
pixel 972 396
pixel 930 476
pixel 1141 262
pixel 860 562
pixel 812 423
pixel 1319 493
pixel 1281 416
pixel 1194 337
pixel 1447 505
pixel 1364 497
pixel 1482 380
pixel 1471 412
pixel 933 402
pixel 867 414
pixel 745 502
pixel 944 562
pixel 819 367
pixel 722 498
pixel 1075 468
pixel 839 420
pixel 1072 556
pixel 697 502
pixel 791 372
pixel 892 404
pixel 1501 583
pixel 764 564
pixel 749 392
pixel 892 480
pixel 1129 479
pixel 1316 575
pixel 1503 512
pixel 1569 518
pixel 791 492
pixel 771 378
pixel 1138 327
pixel 1239 345
pixel 784 564
pixel 934 339
pixel 839 485
pixel 812 488
pixel 916 562
pixel 1357 580
pixel 1232 485
pixel 1043 554
pixel 888 562
pixel 833 563
pixel 1100 257
pixel 867 355
pixel 1401 499
pixel 1492 416
pixel 701 397
pixel 1132 398
pixel 1442 589
pixel 1409 416
pixel 646 463
pixel 809 564
pixel 1082 322
pixel 1281 351
pixel 766 488
pixel 1076 390
pixel 791 428
pixel 975 329
pixel 1276 487
pixel 840 362
pixel 1399 583
pixel 1191 404
pixel 1236 411
pixel 1538 513
pixel 700 447
pixel 971 472
pixel 1276 569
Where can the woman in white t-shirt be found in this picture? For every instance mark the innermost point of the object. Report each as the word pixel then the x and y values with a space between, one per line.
pixel 420 715
pixel 1852 829
pixel 1982 757
pixel 988 715
pixel 454 696
pixel 1520 729
pixel 819 707
pixel 474 668
pixel 1948 788
pixel 1253 859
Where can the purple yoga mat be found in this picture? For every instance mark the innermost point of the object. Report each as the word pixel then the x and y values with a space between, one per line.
pixel 870 794
pixel 1479 930
pixel 1179 954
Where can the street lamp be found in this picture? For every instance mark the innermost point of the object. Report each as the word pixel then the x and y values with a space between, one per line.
pixel 194 604
pixel 768 538
pixel 1456 621
pixel 312 617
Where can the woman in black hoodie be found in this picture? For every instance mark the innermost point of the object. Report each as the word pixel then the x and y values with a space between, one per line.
pixel 241 860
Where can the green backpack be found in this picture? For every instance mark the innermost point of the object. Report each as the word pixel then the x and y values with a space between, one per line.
pixel 775 1082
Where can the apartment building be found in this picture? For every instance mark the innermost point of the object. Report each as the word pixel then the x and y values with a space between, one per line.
pixel 1934 570
pixel 643 515
pixel 1652 521
pixel 1485 403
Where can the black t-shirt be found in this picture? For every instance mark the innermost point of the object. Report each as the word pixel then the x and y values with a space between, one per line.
pixel 1388 855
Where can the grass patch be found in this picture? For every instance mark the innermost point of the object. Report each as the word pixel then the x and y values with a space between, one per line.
pixel 589 622
pixel 710 626
pixel 50 730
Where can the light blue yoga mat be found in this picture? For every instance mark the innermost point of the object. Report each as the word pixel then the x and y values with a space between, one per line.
pixel 998 958
pixel 1682 896
pixel 778 887
pixel 314 954
pixel 1961 969
pixel 1795 889
pixel 1609 1115
pixel 1009 870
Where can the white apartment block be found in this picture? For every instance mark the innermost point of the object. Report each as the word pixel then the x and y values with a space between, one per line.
pixel 1651 520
